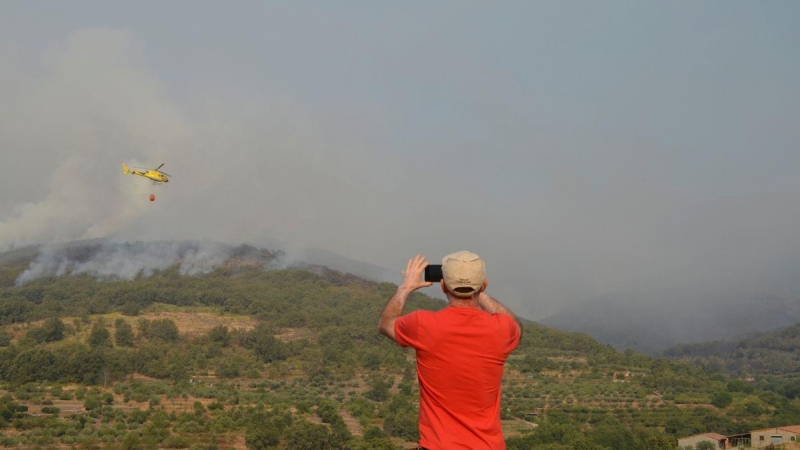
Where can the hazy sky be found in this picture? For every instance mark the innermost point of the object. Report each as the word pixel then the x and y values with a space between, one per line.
pixel 582 148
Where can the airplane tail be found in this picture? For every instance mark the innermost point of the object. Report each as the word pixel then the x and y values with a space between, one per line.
pixel 125 168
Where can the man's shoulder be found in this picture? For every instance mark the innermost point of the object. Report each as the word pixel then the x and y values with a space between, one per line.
pixel 409 327
pixel 504 317
pixel 420 314
pixel 507 320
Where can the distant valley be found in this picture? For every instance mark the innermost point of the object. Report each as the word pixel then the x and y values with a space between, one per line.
pixel 644 325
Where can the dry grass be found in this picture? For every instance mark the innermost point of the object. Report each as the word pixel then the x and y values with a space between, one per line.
pixel 195 324
pixel 352 424
pixel 515 427
pixel 293 334
pixel 190 324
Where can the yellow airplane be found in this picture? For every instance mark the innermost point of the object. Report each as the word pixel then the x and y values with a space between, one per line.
pixel 155 175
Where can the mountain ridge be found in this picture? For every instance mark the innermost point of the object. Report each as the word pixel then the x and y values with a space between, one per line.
pixel 625 321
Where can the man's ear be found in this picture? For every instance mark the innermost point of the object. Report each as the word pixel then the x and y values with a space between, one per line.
pixel 444 288
pixel 485 285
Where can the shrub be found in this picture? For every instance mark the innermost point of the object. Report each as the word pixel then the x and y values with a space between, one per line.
pixel 262 436
pixel 722 399
pixel 175 441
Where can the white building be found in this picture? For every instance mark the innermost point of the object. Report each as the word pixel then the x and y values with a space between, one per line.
pixel 777 435
pixel 716 439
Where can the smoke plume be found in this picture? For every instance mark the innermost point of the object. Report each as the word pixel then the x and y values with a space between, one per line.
pixel 128 261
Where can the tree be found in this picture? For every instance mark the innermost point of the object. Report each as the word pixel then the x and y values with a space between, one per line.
pixel 403 424
pixel 383 443
pixel 371 359
pixel 661 442
pixel 722 399
pixel 131 441
pixel 379 389
pixel 265 345
pixel 705 445
pixel 130 309
pixel 156 430
pixel 5 338
pixel 52 330
pixel 229 366
pixel 123 334
pixel 327 412
pixel 265 428
pixel 32 365
pixel 613 434
pixel 163 329
pixel 303 435
pixel 100 336
pixel 220 335
pixel 740 386
pixel 374 439
pixel 261 436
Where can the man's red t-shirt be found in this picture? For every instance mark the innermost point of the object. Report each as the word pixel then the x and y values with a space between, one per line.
pixel 460 357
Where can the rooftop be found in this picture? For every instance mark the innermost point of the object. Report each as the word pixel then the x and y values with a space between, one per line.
pixel 789 428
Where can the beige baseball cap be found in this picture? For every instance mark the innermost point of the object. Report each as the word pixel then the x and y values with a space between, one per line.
pixel 464 273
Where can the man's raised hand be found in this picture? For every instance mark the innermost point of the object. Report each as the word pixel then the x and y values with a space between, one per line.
pixel 412 277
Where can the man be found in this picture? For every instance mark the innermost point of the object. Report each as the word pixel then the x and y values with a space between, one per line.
pixel 460 352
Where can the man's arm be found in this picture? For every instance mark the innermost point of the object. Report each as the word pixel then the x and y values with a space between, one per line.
pixel 412 280
pixel 393 310
pixel 492 306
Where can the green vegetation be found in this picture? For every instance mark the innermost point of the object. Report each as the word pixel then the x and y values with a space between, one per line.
pixel 773 353
pixel 291 359
pixel 768 362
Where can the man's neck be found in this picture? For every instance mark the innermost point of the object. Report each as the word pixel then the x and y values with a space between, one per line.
pixel 464 302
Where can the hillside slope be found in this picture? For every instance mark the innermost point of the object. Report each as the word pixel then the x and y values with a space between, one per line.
pixel 252 355
pixel 775 353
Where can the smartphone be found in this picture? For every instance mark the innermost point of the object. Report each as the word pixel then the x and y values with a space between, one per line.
pixel 433 272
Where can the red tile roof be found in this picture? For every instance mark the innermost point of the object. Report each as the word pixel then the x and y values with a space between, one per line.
pixel 716 436
pixel 790 428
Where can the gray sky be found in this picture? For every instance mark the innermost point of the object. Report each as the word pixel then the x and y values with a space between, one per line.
pixel 582 148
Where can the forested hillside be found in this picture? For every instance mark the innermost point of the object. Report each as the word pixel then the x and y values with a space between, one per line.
pixel 248 356
pixel 771 360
